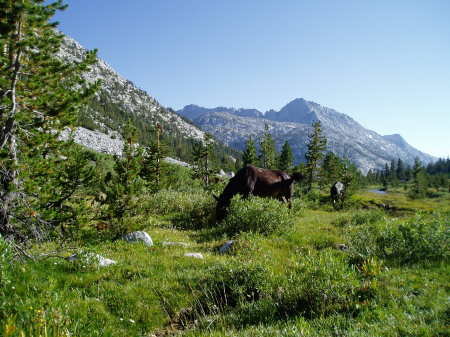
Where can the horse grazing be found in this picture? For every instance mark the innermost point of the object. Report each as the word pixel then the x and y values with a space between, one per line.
pixel 337 193
pixel 252 180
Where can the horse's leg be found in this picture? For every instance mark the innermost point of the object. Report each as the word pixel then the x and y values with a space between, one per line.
pixel 286 200
pixel 250 187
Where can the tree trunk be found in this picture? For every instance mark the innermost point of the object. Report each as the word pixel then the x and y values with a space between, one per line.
pixel 9 179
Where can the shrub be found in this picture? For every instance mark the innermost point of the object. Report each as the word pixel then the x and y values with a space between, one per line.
pixel 260 215
pixel 413 241
pixel 188 210
pixel 313 198
pixel 226 288
pixel 232 284
pixel 319 285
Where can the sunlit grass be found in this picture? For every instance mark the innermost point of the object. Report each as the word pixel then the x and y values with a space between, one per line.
pixel 149 287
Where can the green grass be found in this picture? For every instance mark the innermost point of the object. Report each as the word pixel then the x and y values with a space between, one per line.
pixel 290 283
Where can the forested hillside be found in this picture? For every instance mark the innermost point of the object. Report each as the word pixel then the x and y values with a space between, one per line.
pixel 118 100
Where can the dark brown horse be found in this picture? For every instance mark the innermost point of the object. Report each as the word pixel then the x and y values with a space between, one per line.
pixel 252 180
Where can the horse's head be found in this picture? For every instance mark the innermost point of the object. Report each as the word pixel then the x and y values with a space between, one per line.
pixel 221 207
pixel 297 176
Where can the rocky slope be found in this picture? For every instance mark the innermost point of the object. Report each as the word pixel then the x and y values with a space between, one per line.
pixel 103 143
pixel 347 138
pixel 119 99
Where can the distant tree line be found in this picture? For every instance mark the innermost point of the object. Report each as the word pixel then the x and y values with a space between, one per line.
pixel 417 177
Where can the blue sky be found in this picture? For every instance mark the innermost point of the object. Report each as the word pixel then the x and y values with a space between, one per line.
pixel 384 63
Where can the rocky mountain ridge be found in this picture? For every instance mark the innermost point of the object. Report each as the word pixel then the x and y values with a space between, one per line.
pixel 346 137
pixel 119 98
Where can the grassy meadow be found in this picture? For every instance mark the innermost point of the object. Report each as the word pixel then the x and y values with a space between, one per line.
pixel 365 270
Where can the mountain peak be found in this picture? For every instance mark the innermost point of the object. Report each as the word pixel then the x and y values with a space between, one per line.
pixel 298 110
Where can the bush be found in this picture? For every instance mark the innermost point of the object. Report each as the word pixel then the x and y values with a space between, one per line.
pixel 319 285
pixel 188 210
pixel 250 294
pixel 230 285
pixel 259 215
pixel 226 288
pixel 413 241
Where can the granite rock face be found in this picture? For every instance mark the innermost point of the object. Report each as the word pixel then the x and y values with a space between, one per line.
pixel 101 142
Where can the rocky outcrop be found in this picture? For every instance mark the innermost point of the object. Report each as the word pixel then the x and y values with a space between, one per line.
pixel 95 140
pixel 101 142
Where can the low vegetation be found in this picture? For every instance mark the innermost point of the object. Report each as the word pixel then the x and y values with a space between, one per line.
pixel 286 274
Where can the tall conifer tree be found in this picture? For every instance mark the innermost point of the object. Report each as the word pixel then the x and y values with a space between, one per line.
pixel 400 169
pixel 268 155
pixel 249 156
pixel 202 153
pixel 39 95
pixel 419 185
pixel 332 169
pixel 286 160
pixel 316 146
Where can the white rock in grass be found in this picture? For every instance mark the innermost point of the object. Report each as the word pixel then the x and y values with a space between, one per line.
pixel 226 246
pixel 96 258
pixel 194 255
pixel 170 243
pixel 139 236
pixel 103 261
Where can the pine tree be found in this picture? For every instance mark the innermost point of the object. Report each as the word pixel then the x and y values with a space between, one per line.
pixel 419 185
pixel 393 179
pixel 400 170
pixel 316 145
pixel 39 95
pixel 351 177
pixel 286 160
pixel 385 175
pixel 202 153
pixel 152 161
pixel 124 183
pixel 332 169
pixel 249 156
pixel 58 178
pixel 268 153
